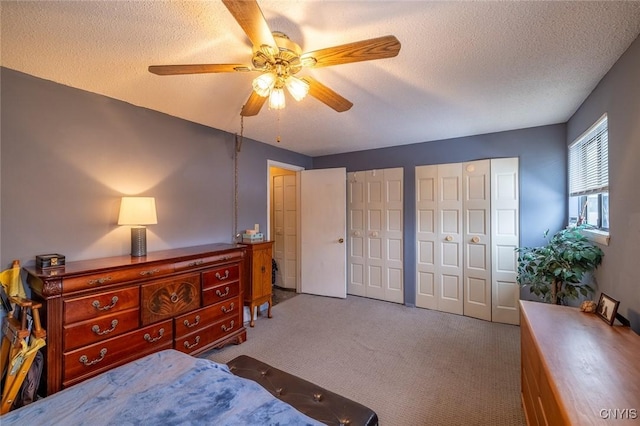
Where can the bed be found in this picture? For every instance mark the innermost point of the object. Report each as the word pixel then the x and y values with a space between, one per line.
pixel 167 388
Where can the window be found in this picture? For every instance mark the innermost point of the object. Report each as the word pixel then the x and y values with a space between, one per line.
pixel 589 177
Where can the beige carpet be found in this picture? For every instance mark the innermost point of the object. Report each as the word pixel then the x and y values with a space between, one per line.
pixel 411 366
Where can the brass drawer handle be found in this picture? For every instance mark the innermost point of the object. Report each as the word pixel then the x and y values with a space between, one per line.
pixel 99 281
pixel 222 277
pixel 174 298
pixel 197 262
pixel 230 309
pixel 96 304
pixel 196 343
pixel 149 272
pixel 221 294
pixel 189 325
pixel 150 339
pixel 224 327
pixel 96 328
pixel 85 360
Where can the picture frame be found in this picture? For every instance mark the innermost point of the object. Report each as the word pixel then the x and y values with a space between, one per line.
pixel 607 308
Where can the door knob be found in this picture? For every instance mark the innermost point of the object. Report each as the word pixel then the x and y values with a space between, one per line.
pixel 356 234
pixel 341 240
pixel 448 238
pixel 475 240
pixel 374 234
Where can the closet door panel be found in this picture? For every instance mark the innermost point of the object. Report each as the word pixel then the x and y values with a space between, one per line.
pixel 374 210
pixel 466 231
pixel 375 234
pixel 290 272
pixel 477 239
pixel 428 247
pixel 393 235
pixel 450 203
pixel 279 242
pixel 356 232
pixel 505 239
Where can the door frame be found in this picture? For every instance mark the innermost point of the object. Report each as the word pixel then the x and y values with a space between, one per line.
pixel 292 167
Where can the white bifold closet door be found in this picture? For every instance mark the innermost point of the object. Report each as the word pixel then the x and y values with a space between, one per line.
pixel 374 223
pixel 459 220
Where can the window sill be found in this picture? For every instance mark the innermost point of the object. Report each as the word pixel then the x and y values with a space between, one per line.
pixel 597 236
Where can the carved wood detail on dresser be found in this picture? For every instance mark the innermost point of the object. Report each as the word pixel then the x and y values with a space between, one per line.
pixel 102 313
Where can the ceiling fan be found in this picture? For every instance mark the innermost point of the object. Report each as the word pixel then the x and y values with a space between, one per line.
pixel 278 60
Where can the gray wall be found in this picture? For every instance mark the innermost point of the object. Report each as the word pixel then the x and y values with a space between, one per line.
pixel 542 155
pixel 618 95
pixel 67 156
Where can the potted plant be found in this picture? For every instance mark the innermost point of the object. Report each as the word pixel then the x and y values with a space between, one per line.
pixel 555 271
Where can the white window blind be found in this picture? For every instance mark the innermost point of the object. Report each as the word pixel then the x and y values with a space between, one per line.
pixel 589 161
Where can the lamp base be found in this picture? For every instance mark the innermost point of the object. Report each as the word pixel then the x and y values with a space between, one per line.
pixel 138 241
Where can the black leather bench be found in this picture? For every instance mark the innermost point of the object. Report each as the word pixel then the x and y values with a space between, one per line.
pixel 318 403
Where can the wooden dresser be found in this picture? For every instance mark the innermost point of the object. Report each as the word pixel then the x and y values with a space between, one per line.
pixel 258 286
pixel 102 313
pixel 576 369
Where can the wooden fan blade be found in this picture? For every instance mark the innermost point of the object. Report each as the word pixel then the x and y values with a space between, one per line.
pixel 253 105
pixel 327 96
pixel 197 69
pixel 364 50
pixel 251 19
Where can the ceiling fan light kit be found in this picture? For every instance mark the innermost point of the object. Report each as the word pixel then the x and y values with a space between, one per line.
pixel 278 59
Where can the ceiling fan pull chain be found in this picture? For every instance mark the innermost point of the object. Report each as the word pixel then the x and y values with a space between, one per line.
pixel 236 236
pixel 278 127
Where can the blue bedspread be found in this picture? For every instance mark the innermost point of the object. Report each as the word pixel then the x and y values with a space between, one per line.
pixel 165 388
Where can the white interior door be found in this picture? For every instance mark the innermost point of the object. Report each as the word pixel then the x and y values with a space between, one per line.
pixel 505 238
pixel 477 239
pixel 323 254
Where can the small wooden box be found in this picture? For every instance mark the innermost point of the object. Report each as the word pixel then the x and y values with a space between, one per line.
pixel 47 261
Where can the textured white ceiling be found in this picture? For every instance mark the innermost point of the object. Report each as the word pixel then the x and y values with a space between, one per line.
pixel 465 68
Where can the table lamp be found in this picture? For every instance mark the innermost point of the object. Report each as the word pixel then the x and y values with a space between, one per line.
pixel 138 212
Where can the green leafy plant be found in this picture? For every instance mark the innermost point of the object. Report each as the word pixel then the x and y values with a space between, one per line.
pixel 555 271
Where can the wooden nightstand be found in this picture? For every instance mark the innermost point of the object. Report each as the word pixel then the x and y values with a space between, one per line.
pixel 258 288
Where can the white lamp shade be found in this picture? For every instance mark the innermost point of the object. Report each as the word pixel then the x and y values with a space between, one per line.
pixel 264 83
pixel 298 88
pixel 138 211
pixel 276 99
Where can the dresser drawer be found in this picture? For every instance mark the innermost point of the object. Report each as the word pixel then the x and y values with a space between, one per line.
pixel 199 339
pixel 193 321
pixel 83 308
pixel 220 292
pixel 88 361
pixel 97 280
pixel 101 328
pixel 170 297
pixel 207 260
pixel 222 275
